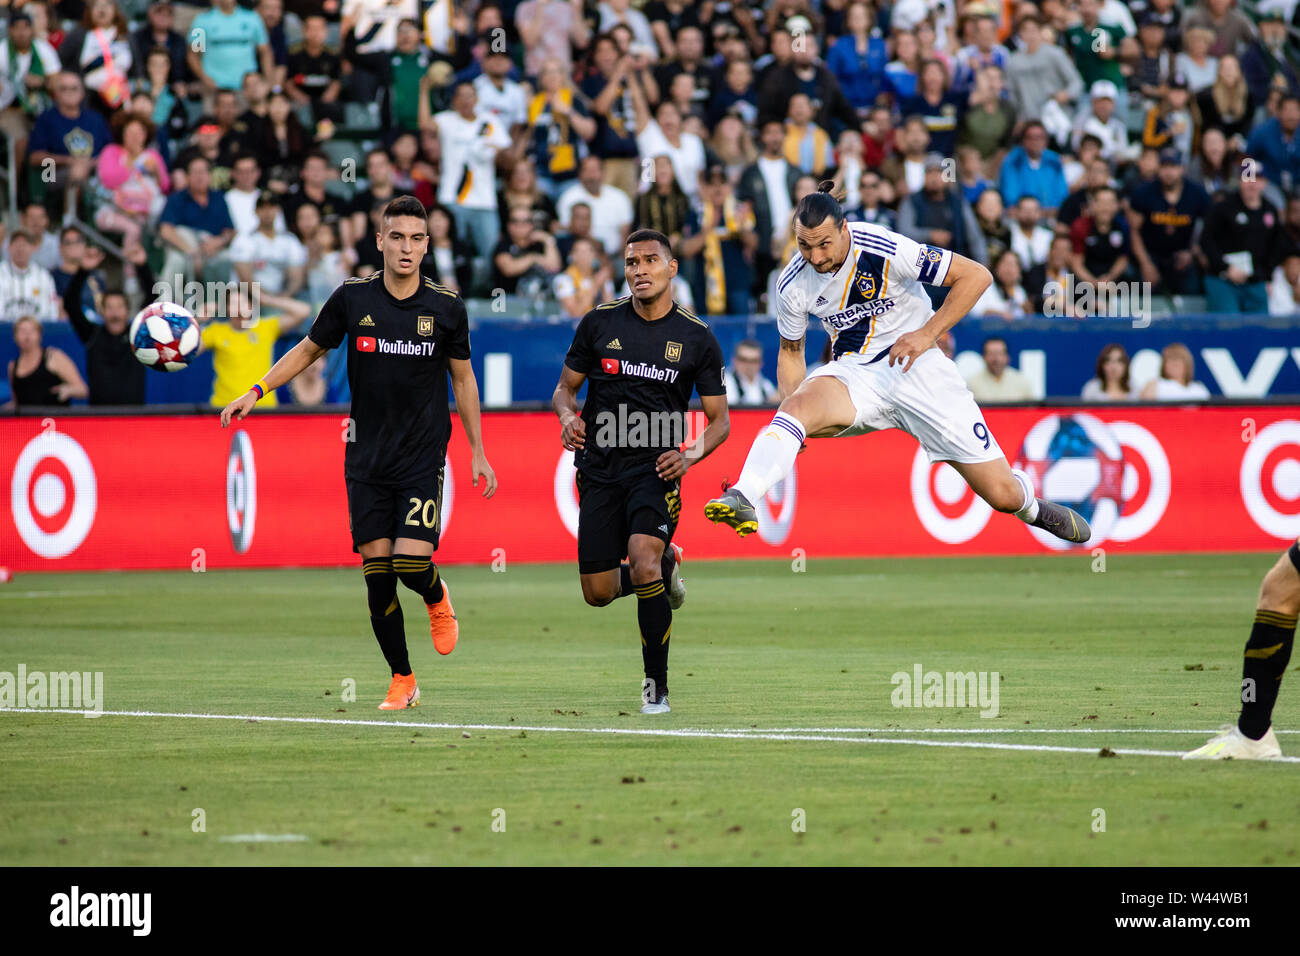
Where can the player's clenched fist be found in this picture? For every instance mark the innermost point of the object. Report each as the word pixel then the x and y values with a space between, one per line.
pixel 239 408
pixel 574 434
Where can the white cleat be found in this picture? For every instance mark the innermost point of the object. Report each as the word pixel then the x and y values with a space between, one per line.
pixel 1234 745
pixel 660 706
pixel 676 585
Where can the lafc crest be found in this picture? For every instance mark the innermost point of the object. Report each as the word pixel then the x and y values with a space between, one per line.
pixel 424 324
pixel 673 352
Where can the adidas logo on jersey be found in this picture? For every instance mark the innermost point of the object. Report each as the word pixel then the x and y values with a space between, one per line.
pixel 614 345
pixel 367 320
pixel 821 300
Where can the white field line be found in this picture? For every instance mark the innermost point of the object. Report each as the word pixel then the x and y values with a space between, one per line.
pixel 264 838
pixel 608 731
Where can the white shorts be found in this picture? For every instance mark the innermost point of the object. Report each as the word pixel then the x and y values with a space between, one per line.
pixel 930 401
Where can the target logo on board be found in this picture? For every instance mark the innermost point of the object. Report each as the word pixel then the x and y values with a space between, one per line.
pixel 775 510
pixel 1270 479
pixel 241 492
pixel 53 494
pixel 947 507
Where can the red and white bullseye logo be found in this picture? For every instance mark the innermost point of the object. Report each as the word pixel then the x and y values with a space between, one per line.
pixel 566 492
pixel 948 509
pixel 776 510
pixel 1270 479
pixel 241 492
pixel 53 495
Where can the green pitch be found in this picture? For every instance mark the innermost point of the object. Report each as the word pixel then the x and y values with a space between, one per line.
pixel 1153 643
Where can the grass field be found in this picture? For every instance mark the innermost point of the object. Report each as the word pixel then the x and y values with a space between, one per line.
pixel 1153 644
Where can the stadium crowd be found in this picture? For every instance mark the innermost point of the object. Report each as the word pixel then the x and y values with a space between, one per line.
pixel 1065 143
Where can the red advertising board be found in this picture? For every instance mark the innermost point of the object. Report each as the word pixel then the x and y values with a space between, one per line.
pixel 148 491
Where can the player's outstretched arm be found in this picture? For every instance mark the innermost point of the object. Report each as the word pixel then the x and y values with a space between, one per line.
pixel 465 387
pixel 967 280
pixel 791 367
pixel 282 372
pixel 573 430
pixel 673 464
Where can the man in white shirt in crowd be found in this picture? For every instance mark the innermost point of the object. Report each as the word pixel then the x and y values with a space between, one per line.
pixel 468 183
pixel 25 287
pixel 998 381
pixel 241 197
pixel 36 222
pixel 270 255
pixel 744 378
pixel 499 94
pixel 1030 239
pixel 26 64
pixel 611 210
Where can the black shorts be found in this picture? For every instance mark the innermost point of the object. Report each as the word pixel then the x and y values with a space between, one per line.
pixel 611 512
pixel 411 510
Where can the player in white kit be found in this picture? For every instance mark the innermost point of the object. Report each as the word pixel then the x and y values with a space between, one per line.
pixel 864 283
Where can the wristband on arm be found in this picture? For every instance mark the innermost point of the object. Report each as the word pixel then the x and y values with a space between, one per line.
pixel 261 392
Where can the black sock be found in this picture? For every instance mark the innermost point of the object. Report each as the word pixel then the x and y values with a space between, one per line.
pixel 1267 653
pixel 386 613
pixel 625 586
pixel 668 562
pixel 656 620
pixel 420 575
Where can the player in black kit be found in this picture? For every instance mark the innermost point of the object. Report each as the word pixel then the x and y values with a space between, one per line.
pixel 641 357
pixel 406 334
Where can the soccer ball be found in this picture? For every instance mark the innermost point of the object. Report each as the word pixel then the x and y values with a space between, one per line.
pixel 164 336
pixel 1077 461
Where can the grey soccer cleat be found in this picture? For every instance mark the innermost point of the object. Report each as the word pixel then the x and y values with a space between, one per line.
pixel 660 706
pixel 1066 523
pixel 676 585
pixel 733 509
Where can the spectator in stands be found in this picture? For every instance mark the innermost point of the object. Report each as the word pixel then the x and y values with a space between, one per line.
pixel 1076 203
pixel 1154 65
pixel 408 79
pixel 579 228
pixel 207 142
pixel 416 161
pixel 138 178
pixel 551 30
pixel 448 261
pixel 1039 73
pixel 248 127
pixel 270 255
pixel 807 146
pixel 1142 174
pixel 368 33
pixel 314 72
pixel 998 381
pixel 159 33
pixel 164 109
pixel 72 248
pixel 586 282
pixel 1177 381
pixel 327 268
pixel 985 51
pixel 1102 123
pixel 1102 244
pixel 310 188
pixel 272 14
pixel 1275 143
pixel 1227 104
pixel 721 234
pixel 241 197
pixel 1266 59
pixel 36 222
pixel 1169 122
pixel 847 172
pixel 100 50
pixel 780 52
pixel 613 12
pixel 525 259
pixel 498 93
pixel 1095 47
pixel 1111 382
pixel 665 206
pixel 611 210
pixel 878 137
pixel 236 41
pixel 746 384
pixel 243 344
pixel 71 136
pixel 870 208
pixel 736 94
pixel 25 287
pixel 939 216
pixel 365 250
pixel 40 376
pixel 1165 218
pixel 1229 27
pixel 1005 298
pixel 833 112
pixel 941 109
pixel 733 146
pixel 1030 239
pixel 559 127
pixel 1034 170
pixel 114 374
pixel 27 65
pixel 906 169
pixel 1167 12
pixel 663 135
pixel 196 230
pixel 281 153
pixel 991 220
pixel 1243 241
pixel 688 62
pixel 668 18
pixel 1194 60
pixel 857 59
pixel 521 189
pixel 991 119
pixel 1046 284
pixel 902 72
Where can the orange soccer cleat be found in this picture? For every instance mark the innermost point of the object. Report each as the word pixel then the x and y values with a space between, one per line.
pixel 403 692
pixel 442 623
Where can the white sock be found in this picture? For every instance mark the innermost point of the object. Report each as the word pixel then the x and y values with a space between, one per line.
pixel 770 457
pixel 1029 512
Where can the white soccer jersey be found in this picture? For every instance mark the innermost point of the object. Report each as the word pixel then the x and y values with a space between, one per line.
pixel 871 300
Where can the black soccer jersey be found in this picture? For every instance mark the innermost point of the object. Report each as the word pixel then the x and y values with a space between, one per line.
pixel 640 375
pixel 397 368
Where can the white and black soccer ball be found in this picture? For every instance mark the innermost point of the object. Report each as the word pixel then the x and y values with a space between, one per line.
pixel 164 336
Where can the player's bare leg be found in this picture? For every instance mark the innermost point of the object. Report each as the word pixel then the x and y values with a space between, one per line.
pixel 819 408
pixel 386 622
pixel 1268 652
pixel 605 587
pixel 1012 492
pixel 415 570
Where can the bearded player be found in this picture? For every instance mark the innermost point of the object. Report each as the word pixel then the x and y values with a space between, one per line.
pixel 1268 651
pixel 865 284
pixel 641 357
pixel 406 335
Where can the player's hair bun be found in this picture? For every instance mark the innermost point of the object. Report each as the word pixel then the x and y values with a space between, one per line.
pixel 826 186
